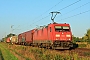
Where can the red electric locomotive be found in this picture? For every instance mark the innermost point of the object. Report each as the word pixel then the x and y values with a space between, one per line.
pixel 57 36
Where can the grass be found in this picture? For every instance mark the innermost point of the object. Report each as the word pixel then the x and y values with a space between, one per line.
pixel 20 51
pixel 43 54
pixel 87 53
pixel 6 53
pixel 1 57
pixel 34 53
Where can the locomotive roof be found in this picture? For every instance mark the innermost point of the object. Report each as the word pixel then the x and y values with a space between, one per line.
pixel 58 23
pixel 40 27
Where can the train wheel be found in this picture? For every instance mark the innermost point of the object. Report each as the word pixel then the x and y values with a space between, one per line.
pixel 25 44
pixel 48 47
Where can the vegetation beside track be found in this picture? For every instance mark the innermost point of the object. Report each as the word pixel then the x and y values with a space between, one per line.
pixel 35 53
pixel 5 53
pixel 1 57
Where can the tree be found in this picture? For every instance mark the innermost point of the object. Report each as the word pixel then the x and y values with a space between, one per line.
pixel 88 34
pixel 85 38
pixel 75 39
pixel 9 35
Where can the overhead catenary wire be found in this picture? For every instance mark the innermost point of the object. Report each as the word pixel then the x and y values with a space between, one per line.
pixel 52 7
pixel 31 25
pixel 40 20
pixel 76 14
pixel 70 5
pixel 60 9
pixel 44 13
pixel 64 7
pixel 77 8
pixel 48 10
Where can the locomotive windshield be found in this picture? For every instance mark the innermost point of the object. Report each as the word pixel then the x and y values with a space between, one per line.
pixel 62 28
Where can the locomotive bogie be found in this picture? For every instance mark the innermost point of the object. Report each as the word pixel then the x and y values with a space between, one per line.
pixel 62 44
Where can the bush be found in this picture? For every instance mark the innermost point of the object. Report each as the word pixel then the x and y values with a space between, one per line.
pixel 58 57
pixel 82 45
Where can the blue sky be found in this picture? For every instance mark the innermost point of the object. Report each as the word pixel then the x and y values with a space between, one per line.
pixel 25 15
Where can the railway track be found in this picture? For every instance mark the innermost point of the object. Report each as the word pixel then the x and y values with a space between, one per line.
pixel 82 52
pixel 79 51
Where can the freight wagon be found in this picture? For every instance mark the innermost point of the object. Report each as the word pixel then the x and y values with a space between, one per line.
pixel 14 39
pixel 26 38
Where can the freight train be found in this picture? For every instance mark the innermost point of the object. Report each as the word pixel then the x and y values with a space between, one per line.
pixel 54 35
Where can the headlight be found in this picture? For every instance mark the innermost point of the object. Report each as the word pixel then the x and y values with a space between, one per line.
pixel 69 39
pixel 57 35
pixel 68 35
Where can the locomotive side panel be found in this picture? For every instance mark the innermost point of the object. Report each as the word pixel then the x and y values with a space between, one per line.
pixel 40 36
pixel 45 33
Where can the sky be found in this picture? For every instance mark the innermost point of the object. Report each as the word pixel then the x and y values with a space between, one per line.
pixel 17 16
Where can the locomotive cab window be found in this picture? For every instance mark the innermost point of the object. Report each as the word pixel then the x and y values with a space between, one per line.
pixel 58 28
pixel 61 28
pixel 66 28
